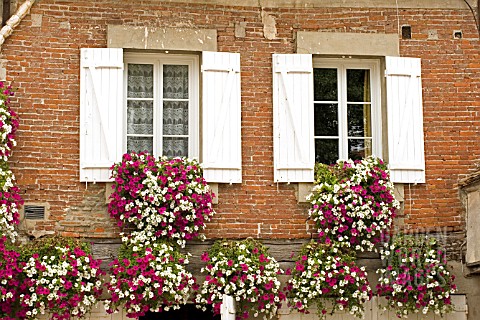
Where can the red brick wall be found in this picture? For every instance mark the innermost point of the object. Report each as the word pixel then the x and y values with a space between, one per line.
pixel 43 63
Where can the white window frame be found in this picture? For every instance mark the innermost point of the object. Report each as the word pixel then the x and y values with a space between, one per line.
pixel 158 60
pixel 342 64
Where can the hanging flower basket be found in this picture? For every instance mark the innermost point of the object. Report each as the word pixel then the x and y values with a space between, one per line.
pixel 415 276
pixel 149 277
pixel 353 203
pixel 327 273
pixel 61 277
pixel 244 270
pixel 166 197
pixel 10 283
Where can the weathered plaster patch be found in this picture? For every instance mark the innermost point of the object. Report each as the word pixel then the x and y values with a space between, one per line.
pixel 240 31
pixel 432 35
pixel 269 27
pixel 37 20
pixel 3 69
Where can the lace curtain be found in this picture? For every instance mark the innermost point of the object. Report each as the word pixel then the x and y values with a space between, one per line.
pixel 175 112
pixel 140 111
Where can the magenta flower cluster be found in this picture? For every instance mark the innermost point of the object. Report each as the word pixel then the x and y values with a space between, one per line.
pixel 8 122
pixel 167 197
pixel 162 203
pixel 10 201
pixel 245 271
pixel 149 277
pixel 64 283
pixel 11 285
pixel 415 277
pixel 353 203
pixel 327 272
pixel 10 198
pixel 48 276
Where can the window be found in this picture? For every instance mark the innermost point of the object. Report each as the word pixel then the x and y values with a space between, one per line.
pixel 161 102
pixel 343 97
pixel 347 119
pixel 150 101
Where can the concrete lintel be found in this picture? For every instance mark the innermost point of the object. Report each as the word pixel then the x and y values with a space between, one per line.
pixel 344 43
pixel 185 39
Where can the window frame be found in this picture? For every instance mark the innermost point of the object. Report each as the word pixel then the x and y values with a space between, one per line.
pixel 159 60
pixel 342 64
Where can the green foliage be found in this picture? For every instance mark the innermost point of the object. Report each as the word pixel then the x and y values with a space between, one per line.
pixel 46 246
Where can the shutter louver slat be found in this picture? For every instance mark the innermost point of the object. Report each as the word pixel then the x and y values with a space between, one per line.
pixel 101 112
pixel 405 120
pixel 222 157
pixel 293 117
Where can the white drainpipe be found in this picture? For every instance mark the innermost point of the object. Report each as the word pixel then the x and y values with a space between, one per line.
pixel 14 20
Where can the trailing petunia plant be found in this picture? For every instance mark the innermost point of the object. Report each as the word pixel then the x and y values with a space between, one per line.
pixel 244 270
pixel 327 272
pixel 8 122
pixel 62 279
pixel 10 201
pixel 148 275
pixel 167 197
pixel 9 194
pixel 11 285
pixel 353 203
pixel 415 277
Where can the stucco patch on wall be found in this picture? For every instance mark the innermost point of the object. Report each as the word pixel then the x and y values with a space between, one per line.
pixel 269 28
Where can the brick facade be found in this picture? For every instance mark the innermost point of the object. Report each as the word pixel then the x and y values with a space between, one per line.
pixel 43 65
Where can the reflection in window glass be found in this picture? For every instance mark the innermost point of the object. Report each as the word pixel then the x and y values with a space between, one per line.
pixel 358 85
pixel 326 150
pixel 359 148
pixel 326 119
pixel 359 121
pixel 325 84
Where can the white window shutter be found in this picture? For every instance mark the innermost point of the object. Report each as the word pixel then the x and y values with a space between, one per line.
pixel 293 142
pixel 405 120
pixel 101 112
pixel 221 122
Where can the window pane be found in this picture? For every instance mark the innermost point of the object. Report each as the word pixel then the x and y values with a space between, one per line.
pixel 175 81
pixel 140 144
pixel 326 150
pixel 358 85
pixel 175 118
pixel 359 120
pixel 325 84
pixel 175 147
pixel 326 119
pixel 359 148
pixel 140 81
pixel 139 117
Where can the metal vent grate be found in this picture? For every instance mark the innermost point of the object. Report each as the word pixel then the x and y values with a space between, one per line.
pixel 34 212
